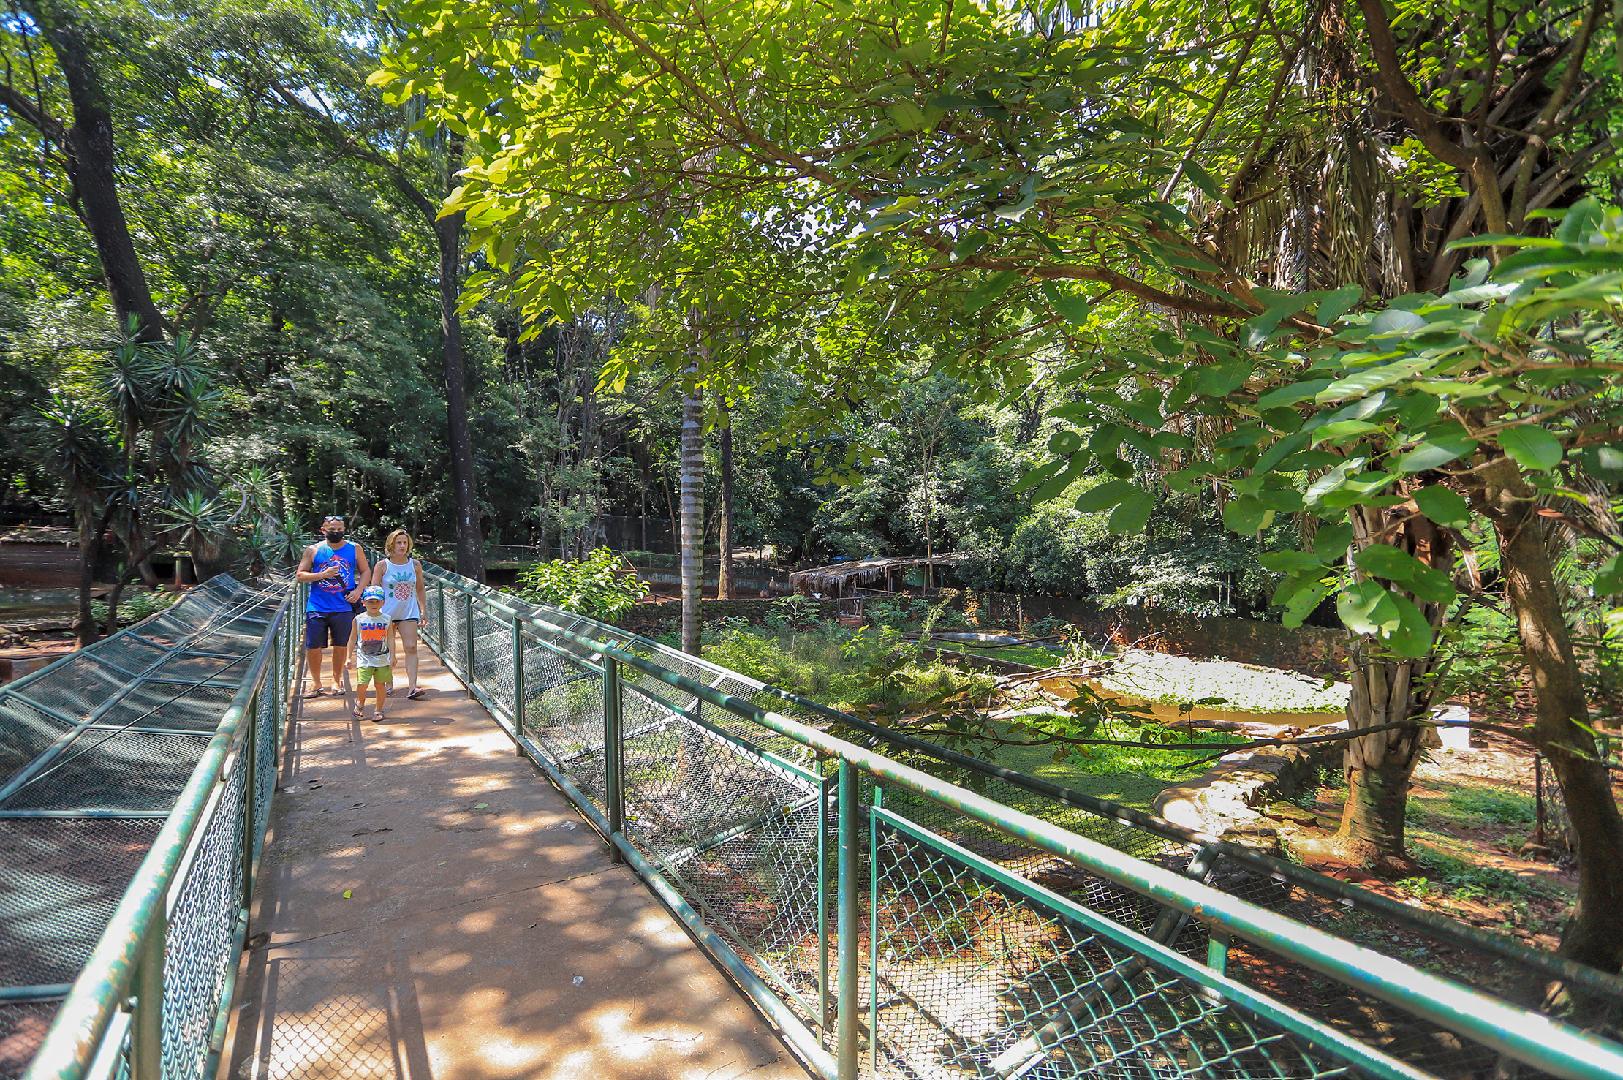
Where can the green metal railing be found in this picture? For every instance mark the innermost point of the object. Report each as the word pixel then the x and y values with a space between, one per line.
pixel 154 994
pixel 891 923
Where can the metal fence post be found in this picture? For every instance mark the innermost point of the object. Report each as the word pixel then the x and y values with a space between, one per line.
pixel 846 1038
pixel 873 930
pixel 439 617
pixel 146 1022
pixel 613 759
pixel 518 684
pixel 824 1013
pixel 467 656
pixel 250 791
pixel 1217 950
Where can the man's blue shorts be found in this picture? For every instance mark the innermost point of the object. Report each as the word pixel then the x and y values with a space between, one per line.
pixel 320 626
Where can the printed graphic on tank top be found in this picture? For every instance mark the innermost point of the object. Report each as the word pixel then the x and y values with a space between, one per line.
pixel 327 594
pixel 400 589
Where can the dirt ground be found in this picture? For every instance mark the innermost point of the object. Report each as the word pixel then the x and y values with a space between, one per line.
pixel 1474 838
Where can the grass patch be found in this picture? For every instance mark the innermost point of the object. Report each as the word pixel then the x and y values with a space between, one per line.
pixel 1452 875
pixel 1475 806
pixel 1037 656
pixel 1124 774
pixel 1493 804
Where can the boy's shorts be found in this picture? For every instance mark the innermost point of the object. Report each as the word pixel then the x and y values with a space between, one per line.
pixel 381 676
pixel 320 627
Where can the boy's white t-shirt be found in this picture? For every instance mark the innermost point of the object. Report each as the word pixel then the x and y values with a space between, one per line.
pixel 372 637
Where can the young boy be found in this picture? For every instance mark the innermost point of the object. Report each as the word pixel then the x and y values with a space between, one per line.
pixel 372 662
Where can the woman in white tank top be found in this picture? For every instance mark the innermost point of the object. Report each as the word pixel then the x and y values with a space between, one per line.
pixel 401 578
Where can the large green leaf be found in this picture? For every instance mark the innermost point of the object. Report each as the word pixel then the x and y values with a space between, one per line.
pixel 1386 561
pixel 1331 541
pixel 1301 594
pixel 1338 303
pixel 1443 505
pixel 1291 562
pixel 1533 448
pixel 1367 607
pixel 1132 513
pixel 1103 497
pixel 1412 636
pixel 1609 578
pixel 1245 515
pixel 1073 307
pixel 1435 451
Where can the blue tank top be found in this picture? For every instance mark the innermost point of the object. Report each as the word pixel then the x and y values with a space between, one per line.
pixel 328 594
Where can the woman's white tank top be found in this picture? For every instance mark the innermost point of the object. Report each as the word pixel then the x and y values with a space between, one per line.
pixel 400 589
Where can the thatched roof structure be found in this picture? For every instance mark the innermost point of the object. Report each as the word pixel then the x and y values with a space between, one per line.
pixel 837 579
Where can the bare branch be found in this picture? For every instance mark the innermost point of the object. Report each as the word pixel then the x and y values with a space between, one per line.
pixel 33 114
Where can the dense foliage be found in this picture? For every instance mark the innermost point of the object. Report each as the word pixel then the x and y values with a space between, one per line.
pixel 1212 306
pixel 600 585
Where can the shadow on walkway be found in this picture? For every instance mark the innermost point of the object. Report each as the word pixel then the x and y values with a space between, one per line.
pixel 430 907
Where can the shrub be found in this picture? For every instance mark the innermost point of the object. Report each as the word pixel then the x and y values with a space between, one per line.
pixel 595 586
pixel 797 612
pixel 135 606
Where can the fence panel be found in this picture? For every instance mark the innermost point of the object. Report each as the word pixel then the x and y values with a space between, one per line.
pixel 961 922
pixel 168 773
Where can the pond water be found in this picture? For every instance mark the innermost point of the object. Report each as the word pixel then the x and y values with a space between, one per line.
pixel 21 604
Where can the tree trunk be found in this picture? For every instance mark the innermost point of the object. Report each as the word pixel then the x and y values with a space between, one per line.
pixel 1386 690
pixel 470 554
pixel 724 571
pixel 91 164
pixel 1594 933
pixel 1377 767
pixel 84 622
pixel 692 482
pixel 929 534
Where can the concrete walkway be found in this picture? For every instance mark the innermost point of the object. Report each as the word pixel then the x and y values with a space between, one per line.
pixel 431 908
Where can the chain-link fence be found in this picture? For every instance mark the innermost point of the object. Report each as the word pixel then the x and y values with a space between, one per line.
pixel 135 784
pixel 901 911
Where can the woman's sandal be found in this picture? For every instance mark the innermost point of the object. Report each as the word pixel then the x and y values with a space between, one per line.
pixel 320 691
pixel 378 717
pixel 415 694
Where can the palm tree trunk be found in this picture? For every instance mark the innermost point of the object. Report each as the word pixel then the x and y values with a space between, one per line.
pixel 724 572
pixel 692 482
pixel 1386 690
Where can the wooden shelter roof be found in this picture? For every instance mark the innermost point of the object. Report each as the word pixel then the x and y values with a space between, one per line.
pixel 835 577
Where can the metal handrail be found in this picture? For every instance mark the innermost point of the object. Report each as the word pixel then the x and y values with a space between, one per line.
pixel 126 952
pixel 1549 1044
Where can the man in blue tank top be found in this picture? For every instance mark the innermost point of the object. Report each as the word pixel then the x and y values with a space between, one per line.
pixel 336 571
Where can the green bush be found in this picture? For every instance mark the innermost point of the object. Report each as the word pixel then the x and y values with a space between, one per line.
pixel 135 606
pixel 595 585
pixel 797 612
pixel 875 669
